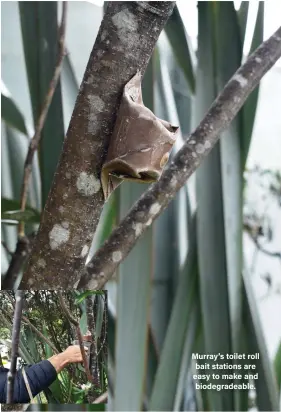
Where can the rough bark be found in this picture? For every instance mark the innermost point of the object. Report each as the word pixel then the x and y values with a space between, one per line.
pixel 126 39
pixel 75 323
pixel 91 326
pixel 99 270
pixel 15 345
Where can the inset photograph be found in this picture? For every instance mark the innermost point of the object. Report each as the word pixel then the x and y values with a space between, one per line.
pixel 53 347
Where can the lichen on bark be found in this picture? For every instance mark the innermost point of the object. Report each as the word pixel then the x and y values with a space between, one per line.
pixel 124 44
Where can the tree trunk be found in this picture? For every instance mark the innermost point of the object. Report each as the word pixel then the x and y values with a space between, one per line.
pixel 126 39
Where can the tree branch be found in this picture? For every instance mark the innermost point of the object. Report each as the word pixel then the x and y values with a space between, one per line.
pixel 99 270
pixel 33 146
pixel 66 310
pixel 19 257
pixel 261 248
pixel 15 345
pixel 23 247
pixel 124 44
pixel 79 336
pixel 84 356
pixel 40 334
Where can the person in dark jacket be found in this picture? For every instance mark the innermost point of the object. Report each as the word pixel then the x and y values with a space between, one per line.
pixel 39 376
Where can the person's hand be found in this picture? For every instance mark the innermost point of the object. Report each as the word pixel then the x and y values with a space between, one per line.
pixel 71 355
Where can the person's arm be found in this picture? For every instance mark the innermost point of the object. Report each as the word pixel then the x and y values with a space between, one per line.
pixel 40 376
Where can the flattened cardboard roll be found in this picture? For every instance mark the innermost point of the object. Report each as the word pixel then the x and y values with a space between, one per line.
pixel 140 144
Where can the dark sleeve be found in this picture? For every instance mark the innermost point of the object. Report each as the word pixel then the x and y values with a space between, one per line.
pixel 40 376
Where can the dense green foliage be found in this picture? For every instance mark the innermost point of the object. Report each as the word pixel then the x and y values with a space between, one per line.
pixel 43 315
